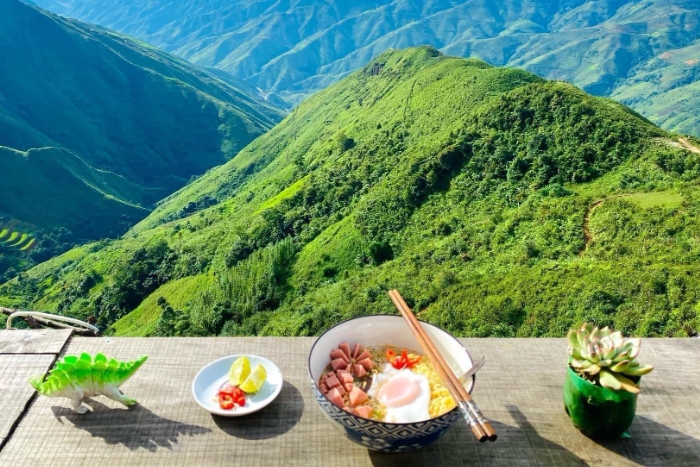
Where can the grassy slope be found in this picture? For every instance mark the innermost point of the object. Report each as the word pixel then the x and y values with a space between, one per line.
pixel 54 188
pixel 103 97
pixel 607 47
pixel 465 186
pixel 96 127
pixel 181 292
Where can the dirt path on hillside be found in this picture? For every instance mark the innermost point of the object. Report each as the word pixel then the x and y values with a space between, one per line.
pixel 408 101
pixel 686 144
pixel 587 234
pixel 682 143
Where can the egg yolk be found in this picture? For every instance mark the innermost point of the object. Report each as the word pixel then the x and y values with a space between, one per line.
pixel 399 391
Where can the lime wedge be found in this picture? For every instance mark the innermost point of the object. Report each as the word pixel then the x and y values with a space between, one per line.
pixel 255 380
pixel 239 371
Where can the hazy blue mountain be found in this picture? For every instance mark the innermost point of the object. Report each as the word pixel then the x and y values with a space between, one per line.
pixel 641 52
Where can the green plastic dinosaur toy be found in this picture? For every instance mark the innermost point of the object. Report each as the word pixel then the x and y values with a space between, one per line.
pixel 78 378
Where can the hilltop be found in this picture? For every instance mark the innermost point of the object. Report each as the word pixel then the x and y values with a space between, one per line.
pixel 96 127
pixel 497 202
pixel 643 53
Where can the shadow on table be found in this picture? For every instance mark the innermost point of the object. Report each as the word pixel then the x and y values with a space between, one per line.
pixel 516 446
pixel 655 444
pixel 274 420
pixel 134 428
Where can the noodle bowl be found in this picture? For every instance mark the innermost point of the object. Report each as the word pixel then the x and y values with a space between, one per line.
pixel 369 389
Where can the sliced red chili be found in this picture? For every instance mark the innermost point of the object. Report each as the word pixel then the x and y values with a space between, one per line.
pixel 402 361
pixel 411 362
pixel 225 401
pixel 230 395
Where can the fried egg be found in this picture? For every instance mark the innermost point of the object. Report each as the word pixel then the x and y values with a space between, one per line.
pixel 405 394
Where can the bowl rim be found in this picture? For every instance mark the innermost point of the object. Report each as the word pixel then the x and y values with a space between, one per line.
pixel 308 368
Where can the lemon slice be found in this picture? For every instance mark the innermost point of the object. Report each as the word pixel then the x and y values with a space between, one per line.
pixel 239 371
pixel 255 380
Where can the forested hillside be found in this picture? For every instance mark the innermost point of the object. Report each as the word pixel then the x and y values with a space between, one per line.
pixel 95 128
pixel 643 53
pixel 500 204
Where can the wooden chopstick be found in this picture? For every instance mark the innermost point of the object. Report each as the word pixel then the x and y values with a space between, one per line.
pixel 440 365
pixel 481 428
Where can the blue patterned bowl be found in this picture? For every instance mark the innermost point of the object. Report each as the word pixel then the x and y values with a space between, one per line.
pixel 380 330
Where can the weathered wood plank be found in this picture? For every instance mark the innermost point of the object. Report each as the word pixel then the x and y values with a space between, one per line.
pixel 15 392
pixel 519 388
pixel 39 341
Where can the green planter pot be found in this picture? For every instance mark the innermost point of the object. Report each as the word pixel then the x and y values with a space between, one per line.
pixel 599 412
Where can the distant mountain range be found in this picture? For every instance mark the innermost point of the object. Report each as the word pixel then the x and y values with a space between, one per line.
pixel 644 53
pixel 499 203
pixel 95 127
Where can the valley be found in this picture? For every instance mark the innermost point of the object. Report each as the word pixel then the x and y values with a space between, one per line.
pixel 643 53
pixel 464 185
pixel 96 128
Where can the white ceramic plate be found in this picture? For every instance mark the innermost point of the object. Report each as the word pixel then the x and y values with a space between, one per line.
pixel 209 380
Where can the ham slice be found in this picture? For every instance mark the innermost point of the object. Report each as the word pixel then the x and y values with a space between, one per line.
pixel 339 364
pixel 366 363
pixel 337 353
pixel 356 351
pixel 332 382
pixel 335 397
pixel 323 388
pixel 359 370
pixel 357 396
pixel 363 411
pixel 341 390
pixel 345 377
pixel 345 347
pixel 347 365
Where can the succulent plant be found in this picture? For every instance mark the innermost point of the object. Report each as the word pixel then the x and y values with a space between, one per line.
pixel 604 357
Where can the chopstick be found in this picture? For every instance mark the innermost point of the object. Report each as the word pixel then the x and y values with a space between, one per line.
pixel 481 428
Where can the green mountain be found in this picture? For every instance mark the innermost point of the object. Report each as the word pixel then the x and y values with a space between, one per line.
pixel 95 127
pixel 498 203
pixel 643 53
pixel 46 185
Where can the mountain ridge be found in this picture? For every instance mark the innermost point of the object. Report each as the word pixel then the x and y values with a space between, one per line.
pixel 295 48
pixel 461 184
pixel 99 127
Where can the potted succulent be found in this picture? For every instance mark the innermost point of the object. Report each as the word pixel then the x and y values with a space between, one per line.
pixel 602 382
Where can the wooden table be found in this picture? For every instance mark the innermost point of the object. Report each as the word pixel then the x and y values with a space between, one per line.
pixel 519 388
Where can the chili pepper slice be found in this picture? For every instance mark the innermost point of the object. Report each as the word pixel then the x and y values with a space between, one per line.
pixel 225 401
pixel 230 395
pixel 402 361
